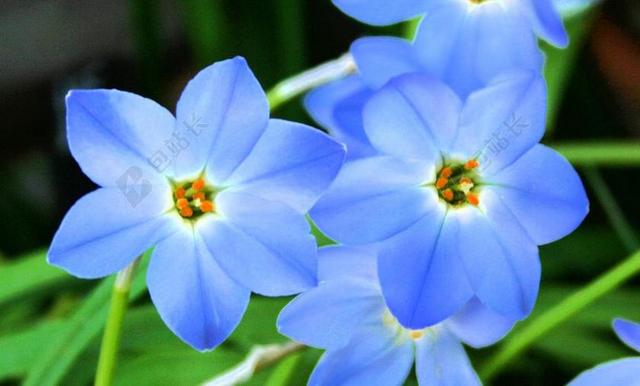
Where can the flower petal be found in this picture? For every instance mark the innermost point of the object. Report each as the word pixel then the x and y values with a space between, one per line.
pixel 380 12
pixel 501 261
pixel 225 111
pixel 327 316
pixel 379 59
pixel 292 164
pixel 113 133
pixel 413 116
pixel 373 357
pixel 372 199
pixel 341 262
pixel 102 232
pixel 442 361
pixel 421 274
pixel 337 106
pixel 467 45
pixel 263 245
pixel 544 193
pixel 614 373
pixel 502 121
pixel 478 326
pixel 546 21
pixel 194 297
pixel 628 332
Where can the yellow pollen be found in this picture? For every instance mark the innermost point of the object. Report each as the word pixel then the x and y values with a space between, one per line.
pixel 416 334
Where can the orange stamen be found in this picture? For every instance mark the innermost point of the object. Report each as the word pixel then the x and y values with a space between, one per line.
pixel 186 211
pixel 441 182
pixel 206 206
pixel 199 196
pixel 180 192
pixel 471 164
pixel 198 184
pixel 446 172
pixel 182 203
pixel 473 199
pixel 465 180
pixel 447 194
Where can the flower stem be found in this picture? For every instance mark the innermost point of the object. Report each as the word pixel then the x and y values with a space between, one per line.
pixel 559 313
pixel 113 329
pixel 314 77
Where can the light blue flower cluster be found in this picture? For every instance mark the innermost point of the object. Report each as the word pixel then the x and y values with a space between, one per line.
pixel 619 372
pixel 439 210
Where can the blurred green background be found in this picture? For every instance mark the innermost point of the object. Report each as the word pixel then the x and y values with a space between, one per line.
pixel 50 323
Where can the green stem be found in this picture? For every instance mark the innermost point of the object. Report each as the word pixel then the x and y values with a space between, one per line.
pixel 601 153
pixel 559 313
pixel 305 81
pixel 113 328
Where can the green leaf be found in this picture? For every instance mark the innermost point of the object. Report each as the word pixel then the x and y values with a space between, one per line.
pixel 29 275
pixel 258 325
pixel 84 325
pixel 284 371
pixel 18 350
pixel 179 368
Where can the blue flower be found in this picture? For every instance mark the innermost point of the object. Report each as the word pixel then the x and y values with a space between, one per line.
pixel 220 191
pixel 540 16
pixel 619 372
pixel 365 345
pixel 460 194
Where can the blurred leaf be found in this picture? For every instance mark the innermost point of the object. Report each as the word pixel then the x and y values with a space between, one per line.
pixel 207 30
pixel 179 368
pixel 18 350
pixel 559 62
pixel 29 275
pixel 258 325
pixel 79 331
pixel 144 331
pixel 284 371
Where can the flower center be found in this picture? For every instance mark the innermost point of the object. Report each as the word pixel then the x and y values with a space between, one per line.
pixel 456 183
pixel 193 199
pixel 402 332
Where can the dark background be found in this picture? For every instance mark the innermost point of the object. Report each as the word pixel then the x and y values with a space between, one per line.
pixel 154 47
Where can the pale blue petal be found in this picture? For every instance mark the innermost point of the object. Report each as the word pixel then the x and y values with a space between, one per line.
pixel 329 315
pixel 478 326
pixel 340 262
pixel 546 21
pixel 467 45
pixel 544 193
pixel 381 12
pixel 373 357
pixel 265 246
pixel 421 272
pixel 503 121
pixel 615 373
pixel 224 111
pixel 502 262
pixel 373 199
pixel 102 233
pixel 413 116
pixel 338 106
pixel 292 164
pixel 442 361
pixel 379 59
pixel 194 297
pixel 113 133
pixel 628 332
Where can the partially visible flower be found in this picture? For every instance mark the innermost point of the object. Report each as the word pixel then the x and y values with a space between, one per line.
pixel 365 345
pixel 540 16
pixel 459 196
pixel 220 191
pixel 619 372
